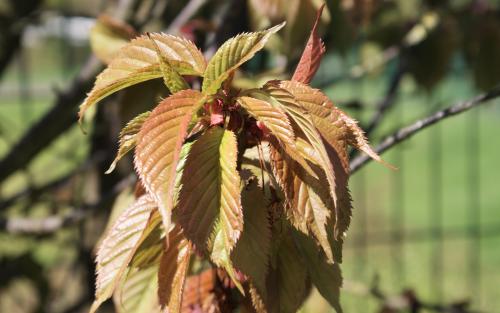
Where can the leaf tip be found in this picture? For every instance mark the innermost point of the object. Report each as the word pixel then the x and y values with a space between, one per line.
pixel 111 168
pixel 277 28
pixel 95 305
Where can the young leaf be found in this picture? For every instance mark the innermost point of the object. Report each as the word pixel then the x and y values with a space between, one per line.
pixel 334 125
pixel 159 145
pixel 118 247
pixel 338 130
pixel 304 122
pixel 128 138
pixel 138 61
pixel 209 203
pixel 172 79
pixel 149 251
pixel 277 122
pixel 173 269
pixel 325 276
pixel 231 55
pixel 138 291
pixel 308 203
pixel 311 57
pixel 251 254
pixel 288 281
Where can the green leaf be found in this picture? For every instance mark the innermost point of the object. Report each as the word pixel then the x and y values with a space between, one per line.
pixel 118 247
pixel 209 204
pixel 325 276
pixel 151 247
pixel 251 254
pixel 288 281
pixel 231 55
pixel 128 138
pixel 172 79
pixel 138 291
pixel 174 265
pixel 138 61
pixel 159 145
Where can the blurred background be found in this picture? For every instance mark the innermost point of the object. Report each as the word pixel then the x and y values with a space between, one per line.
pixel 429 232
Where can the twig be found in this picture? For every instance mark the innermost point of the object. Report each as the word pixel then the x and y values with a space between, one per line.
pixel 50 224
pixel 410 130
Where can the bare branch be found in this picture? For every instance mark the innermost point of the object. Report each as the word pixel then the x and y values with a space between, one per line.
pixel 410 130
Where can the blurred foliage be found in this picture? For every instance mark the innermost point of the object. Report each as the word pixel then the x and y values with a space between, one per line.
pixel 53 272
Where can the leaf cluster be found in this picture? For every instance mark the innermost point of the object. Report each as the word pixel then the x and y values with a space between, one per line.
pixel 251 182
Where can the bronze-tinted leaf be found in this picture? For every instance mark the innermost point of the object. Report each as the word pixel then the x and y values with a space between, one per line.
pixel 118 247
pixel 305 124
pixel 251 254
pixel 338 130
pixel 231 55
pixel 288 281
pixel 308 203
pixel 173 269
pixel 209 203
pixel 128 138
pixel 277 122
pixel 336 127
pixel 325 276
pixel 312 54
pixel 138 61
pixel 159 145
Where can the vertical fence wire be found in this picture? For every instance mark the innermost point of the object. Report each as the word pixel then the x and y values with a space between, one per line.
pixel 474 205
pixel 435 182
pixel 397 218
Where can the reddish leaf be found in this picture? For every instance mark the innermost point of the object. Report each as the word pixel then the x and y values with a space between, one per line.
pixel 311 57
pixel 173 269
pixel 159 145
